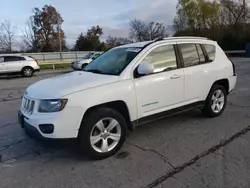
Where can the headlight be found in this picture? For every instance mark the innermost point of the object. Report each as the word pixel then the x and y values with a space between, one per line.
pixel 54 105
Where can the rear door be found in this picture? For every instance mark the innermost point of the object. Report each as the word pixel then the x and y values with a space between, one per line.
pixel 14 63
pixel 196 71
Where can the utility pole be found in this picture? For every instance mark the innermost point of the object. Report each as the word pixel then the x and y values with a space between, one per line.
pixel 244 14
pixel 59 36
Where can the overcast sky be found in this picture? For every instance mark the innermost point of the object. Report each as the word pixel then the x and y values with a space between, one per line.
pixel 79 15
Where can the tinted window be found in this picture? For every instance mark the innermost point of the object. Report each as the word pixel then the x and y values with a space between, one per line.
pixel 13 58
pixel 201 54
pixel 163 58
pixel 190 55
pixel 211 50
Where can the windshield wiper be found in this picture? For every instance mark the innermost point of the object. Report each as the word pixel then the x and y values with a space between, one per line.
pixel 95 71
pixel 99 72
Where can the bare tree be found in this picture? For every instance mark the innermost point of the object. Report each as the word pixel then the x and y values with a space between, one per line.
pixel 29 39
pixel 114 41
pixel 7 36
pixel 142 31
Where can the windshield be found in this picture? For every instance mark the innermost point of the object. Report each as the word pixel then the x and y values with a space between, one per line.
pixel 88 56
pixel 113 62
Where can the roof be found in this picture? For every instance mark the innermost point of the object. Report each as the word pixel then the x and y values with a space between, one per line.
pixel 136 45
pixel 143 44
pixel 19 55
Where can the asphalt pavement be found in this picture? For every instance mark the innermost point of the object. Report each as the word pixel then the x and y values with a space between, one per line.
pixel 186 150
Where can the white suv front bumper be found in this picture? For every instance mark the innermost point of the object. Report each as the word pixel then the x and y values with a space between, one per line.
pixel 65 123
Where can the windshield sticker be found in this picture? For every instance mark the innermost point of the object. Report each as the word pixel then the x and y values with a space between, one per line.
pixel 133 50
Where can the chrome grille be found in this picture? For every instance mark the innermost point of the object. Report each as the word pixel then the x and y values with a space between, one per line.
pixel 28 105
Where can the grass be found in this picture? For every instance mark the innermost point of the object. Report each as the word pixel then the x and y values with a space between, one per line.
pixel 54 62
pixel 54 66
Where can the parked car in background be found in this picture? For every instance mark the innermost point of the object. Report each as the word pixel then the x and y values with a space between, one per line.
pixel 18 64
pixel 127 86
pixel 79 64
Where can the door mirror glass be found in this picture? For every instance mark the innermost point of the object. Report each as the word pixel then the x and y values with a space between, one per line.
pixel 145 68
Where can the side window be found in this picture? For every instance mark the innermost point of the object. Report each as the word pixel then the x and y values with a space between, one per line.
pixel 20 59
pixel 95 56
pixel 189 54
pixel 13 58
pixel 1 59
pixel 163 58
pixel 7 59
pixel 211 50
pixel 201 54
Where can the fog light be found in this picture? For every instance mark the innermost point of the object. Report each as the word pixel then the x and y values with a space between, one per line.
pixel 46 128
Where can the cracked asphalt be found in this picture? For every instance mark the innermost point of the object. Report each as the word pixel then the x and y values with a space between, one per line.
pixel 186 150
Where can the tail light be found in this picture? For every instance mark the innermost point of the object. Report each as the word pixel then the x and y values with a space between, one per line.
pixel 233 67
pixel 36 62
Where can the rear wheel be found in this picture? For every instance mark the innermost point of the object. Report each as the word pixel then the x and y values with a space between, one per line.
pixel 27 72
pixel 102 133
pixel 216 101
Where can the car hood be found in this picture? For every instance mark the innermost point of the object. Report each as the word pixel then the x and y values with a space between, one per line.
pixel 59 86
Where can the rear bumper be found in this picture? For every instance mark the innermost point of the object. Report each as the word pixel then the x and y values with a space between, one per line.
pixel 37 70
pixel 232 82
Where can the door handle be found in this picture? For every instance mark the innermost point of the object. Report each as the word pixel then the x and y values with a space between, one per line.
pixel 176 76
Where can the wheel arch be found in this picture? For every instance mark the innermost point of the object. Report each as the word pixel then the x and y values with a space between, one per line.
pixel 223 82
pixel 119 105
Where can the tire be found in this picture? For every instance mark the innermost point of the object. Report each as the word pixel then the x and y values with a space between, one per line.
pixel 215 106
pixel 27 72
pixel 102 145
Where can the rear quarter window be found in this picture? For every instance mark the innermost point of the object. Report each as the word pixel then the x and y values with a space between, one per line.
pixel 211 51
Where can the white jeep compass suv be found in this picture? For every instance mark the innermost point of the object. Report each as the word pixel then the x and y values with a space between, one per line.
pixel 127 86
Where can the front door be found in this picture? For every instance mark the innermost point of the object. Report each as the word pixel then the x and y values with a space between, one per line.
pixel 164 89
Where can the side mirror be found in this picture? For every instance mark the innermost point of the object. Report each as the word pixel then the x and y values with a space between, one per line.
pixel 145 68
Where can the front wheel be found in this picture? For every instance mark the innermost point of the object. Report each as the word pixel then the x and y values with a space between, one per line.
pixel 216 101
pixel 102 133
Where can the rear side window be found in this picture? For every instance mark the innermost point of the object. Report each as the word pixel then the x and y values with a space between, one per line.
pixel 189 54
pixel 211 50
pixel 201 54
pixel 13 58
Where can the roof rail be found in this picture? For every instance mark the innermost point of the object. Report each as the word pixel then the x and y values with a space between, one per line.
pixel 184 37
